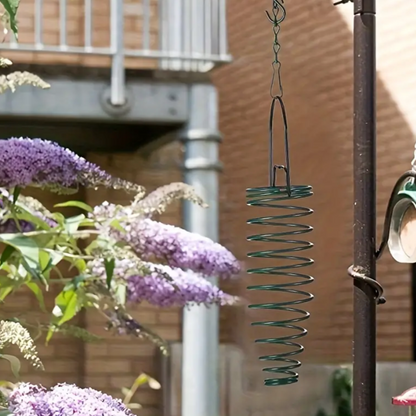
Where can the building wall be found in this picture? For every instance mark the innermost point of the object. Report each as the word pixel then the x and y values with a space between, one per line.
pixel 317 68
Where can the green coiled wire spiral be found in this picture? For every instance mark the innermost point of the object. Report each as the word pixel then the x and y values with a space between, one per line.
pixel 285 234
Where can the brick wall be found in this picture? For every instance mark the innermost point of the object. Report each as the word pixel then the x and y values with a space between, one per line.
pixel 317 76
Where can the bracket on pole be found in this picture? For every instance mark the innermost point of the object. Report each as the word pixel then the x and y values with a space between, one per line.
pixel 337 3
pixel 360 6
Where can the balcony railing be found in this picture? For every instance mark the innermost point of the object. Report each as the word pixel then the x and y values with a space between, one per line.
pixel 176 35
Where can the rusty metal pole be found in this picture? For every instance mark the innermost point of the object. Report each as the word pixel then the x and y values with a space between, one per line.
pixel 364 348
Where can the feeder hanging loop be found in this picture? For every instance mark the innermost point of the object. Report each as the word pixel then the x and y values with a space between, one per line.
pixel 358 273
pixel 281 197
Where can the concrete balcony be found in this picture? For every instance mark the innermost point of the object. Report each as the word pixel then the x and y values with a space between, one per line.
pixel 128 63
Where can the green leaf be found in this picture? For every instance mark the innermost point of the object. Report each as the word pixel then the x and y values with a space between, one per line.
pixel 7 285
pixel 26 246
pixel 38 293
pixel 56 257
pixel 16 190
pixel 4 292
pixel 80 264
pixel 116 225
pixel 7 252
pixel 66 306
pixel 153 384
pixel 72 223
pixel 87 223
pixel 142 379
pixel 109 270
pixel 49 335
pixel 77 204
pixel 45 261
pixel 11 7
pixel 14 363
pixel 121 294
pixel 7 384
pixel 59 218
pixel 125 391
pixel 134 406
pixel 91 247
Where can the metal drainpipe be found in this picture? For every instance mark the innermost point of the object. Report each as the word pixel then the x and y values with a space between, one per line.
pixel 118 81
pixel 200 390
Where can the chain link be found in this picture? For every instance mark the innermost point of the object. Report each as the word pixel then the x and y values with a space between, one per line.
pixel 276 17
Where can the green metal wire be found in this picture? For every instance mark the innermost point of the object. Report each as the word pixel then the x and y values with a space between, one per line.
pixel 285 233
pixel 273 197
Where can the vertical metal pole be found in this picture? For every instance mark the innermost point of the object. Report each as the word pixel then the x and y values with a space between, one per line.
pixel 62 24
pixel 118 81
pixel 200 390
pixel 88 25
pixel 364 349
pixel 172 25
pixel 38 23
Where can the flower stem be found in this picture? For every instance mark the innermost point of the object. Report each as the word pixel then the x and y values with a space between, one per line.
pixel 79 233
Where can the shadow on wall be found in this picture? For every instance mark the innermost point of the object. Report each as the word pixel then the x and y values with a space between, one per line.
pixel 317 76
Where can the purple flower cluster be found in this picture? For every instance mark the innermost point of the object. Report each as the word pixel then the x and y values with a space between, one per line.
pixel 26 162
pixel 162 285
pixel 185 288
pixel 63 400
pixel 180 248
pixel 173 245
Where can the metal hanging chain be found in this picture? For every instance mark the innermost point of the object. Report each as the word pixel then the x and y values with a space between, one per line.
pixel 276 17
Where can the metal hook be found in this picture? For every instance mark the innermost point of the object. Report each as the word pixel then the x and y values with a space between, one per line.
pixel 277 6
pixel 358 274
